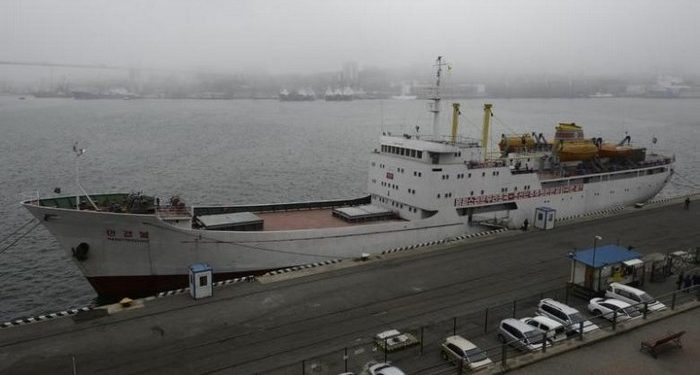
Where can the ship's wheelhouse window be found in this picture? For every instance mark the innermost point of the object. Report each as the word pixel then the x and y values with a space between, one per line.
pixel 420 154
pixel 413 153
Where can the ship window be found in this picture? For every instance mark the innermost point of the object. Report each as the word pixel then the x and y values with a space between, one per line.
pixel 471 192
pixel 420 174
pixel 483 174
pixel 482 192
pixel 515 188
pixel 438 195
pixel 413 153
pixel 469 175
pixel 420 154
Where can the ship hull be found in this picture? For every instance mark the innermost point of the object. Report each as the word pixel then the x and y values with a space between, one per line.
pixel 137 254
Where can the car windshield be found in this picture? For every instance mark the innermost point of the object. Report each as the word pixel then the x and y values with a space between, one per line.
pixel 647 298
pixel 577 318
pixel 475 355
pixel 533 336
pixel 631 311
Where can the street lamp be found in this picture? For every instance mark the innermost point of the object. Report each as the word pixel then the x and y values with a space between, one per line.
pixel 595 242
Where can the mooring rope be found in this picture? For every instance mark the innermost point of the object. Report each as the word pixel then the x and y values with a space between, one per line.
pixel 20 237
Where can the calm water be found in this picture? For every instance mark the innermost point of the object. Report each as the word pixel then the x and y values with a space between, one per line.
pixel 250 152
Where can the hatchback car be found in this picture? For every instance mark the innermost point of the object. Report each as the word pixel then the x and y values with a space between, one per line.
pixel 461 350
pixel 568 316
pixel 384 369
pixel 520 335
pixel 607 308
pixel 555 330
pixel 633 296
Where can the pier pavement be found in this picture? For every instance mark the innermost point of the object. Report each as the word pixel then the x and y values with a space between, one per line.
pixel 256 327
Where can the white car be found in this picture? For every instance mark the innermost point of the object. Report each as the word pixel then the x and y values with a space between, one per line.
pixel 385 369
pixel 460 350
pixel 606 307
pixel 634 296
pixel 568 316
pixel 555 330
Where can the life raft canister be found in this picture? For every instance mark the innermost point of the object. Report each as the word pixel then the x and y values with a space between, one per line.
pixel 80 252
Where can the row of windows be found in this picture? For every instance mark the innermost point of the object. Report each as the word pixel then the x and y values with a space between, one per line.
pixel 446 195
pixel 393 186
pixel 505 189
pixel 412 191
pixel 397 204
pixel 402 151
pixel 418 174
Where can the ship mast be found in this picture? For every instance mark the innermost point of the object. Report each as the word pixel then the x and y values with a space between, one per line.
pixel 435 105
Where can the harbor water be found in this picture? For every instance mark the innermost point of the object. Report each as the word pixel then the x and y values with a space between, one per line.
pixel 254 151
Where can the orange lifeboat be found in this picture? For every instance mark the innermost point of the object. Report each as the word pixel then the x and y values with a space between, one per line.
pixel 611 150
pixel 515 143
pixel 570 144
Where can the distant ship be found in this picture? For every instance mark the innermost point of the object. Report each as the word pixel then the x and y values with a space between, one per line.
pixel 300 95
pixel 347 94
pixel 601 95
pixel 421 188
pixel 111 94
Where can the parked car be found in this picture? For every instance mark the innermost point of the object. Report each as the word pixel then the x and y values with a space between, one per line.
pixel 606 307
pixel 568 316
pixel 520 335
pixel 633 296
pixel 555 330
pixel 461 350
pixel 384 369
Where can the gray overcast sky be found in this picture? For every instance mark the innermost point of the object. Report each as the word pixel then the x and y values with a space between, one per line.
pixel 302 36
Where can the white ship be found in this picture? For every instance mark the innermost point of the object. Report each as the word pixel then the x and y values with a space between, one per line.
pixel 420 189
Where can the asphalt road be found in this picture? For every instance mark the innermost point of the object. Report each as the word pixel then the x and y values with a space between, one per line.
pixel 270 328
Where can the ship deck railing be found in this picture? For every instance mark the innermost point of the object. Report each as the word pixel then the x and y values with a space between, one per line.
pixel 169 212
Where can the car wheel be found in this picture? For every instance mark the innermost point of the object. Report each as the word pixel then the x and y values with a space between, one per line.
pixel 501 338
pixel 443 355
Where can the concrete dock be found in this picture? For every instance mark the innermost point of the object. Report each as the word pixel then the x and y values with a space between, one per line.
pixel 284 320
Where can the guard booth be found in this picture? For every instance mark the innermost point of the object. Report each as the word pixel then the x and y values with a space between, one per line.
pixel 593 269
pixel 544 217
pixel 200 280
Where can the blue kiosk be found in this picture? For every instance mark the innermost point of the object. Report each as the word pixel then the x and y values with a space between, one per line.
pixel 200 280
pixel 593 269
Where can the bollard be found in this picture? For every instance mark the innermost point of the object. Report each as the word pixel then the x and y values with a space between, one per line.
pixel 673 301
pixel 421 341
pixel 646 309
pixel 614 321
pixel 385 349
pixel 345 359
pixel 504 355
pixel 544 342
pixel 580 331
pixel 454 326
pixel 486 321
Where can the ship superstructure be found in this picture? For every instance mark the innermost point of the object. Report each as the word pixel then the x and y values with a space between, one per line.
pixel 421 188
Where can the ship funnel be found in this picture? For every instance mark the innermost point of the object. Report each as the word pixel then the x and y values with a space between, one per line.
pixel 455 121
pixel 485 131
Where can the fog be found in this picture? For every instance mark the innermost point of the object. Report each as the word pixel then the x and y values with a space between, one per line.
pixel 498 37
